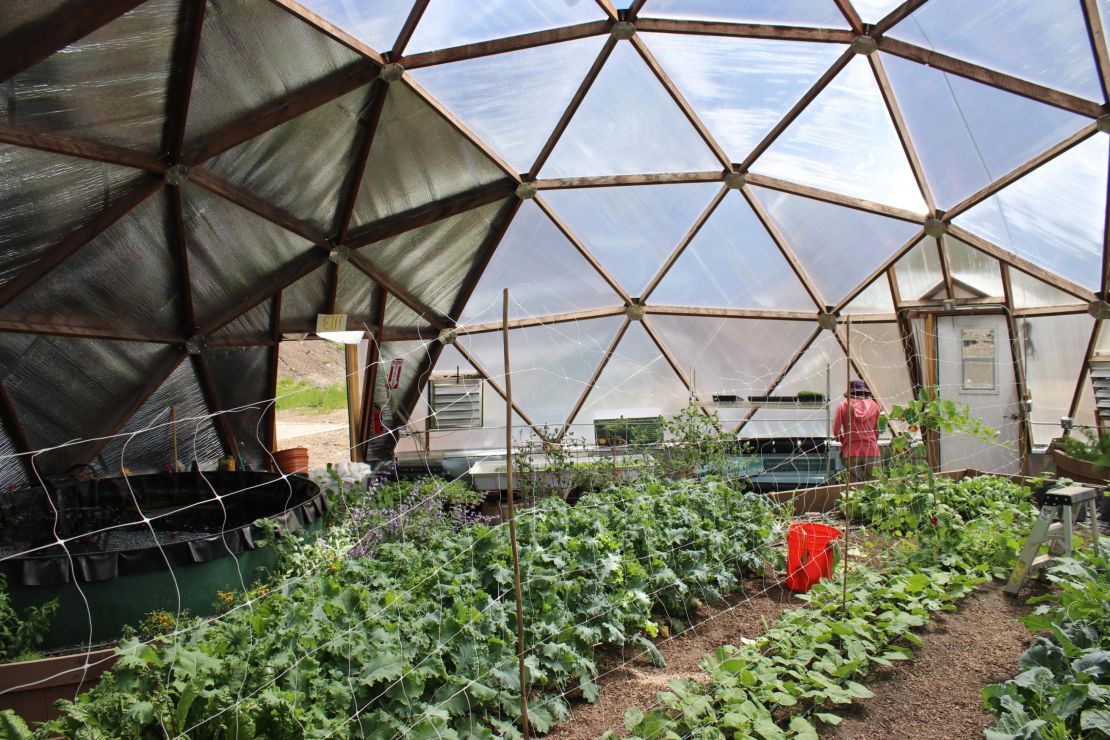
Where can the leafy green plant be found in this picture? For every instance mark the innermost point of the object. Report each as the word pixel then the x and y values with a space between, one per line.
pixel 1091 448
pixel 21 634
pixel 696 447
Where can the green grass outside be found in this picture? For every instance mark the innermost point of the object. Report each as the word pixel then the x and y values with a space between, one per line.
pixel 294 395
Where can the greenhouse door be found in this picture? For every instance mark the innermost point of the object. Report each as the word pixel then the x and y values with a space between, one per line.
pixel 975 367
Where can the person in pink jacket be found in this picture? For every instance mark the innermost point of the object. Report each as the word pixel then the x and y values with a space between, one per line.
pixel 856 427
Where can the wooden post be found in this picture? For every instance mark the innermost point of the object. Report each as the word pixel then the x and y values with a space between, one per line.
pixel 512 518
pixel 354 400
pixel 847 455
pixel 932 438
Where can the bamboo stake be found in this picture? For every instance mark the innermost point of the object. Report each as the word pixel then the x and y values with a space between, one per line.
pixel 512 518
pixel 847 453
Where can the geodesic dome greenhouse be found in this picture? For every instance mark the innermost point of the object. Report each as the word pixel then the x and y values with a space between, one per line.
pixel 686 199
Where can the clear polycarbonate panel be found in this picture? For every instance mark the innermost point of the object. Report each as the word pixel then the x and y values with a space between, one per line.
pixel 1029 292
pixel 301 166
pixel 543 271
pixel 256 324
pixel 251 54
pixel 784 12
pixel 417 158
pixel 109 86
pixel 739 87
pixel 1085 419
pixel 551 364
pixel 456 22
pixel 357 296
pixel 845 141
pixel 433 261
pixel 875 298
pixel 12 470
pixel 376 23
pixel 1054 216
pixel 302 301
pixel 514 100
pixel 46 197
pixel 967 134
pixel 918 271
pixel 231 251
pixel 241 379
pixel 732 262
pixel 878 350
pixel 622 124
pixel 730 357
pixel 873 11
pixel 632 230
pixel 836 246
pixel 146 443
pixel 821 369
pixel 66 389
pixel 973 268
pixel 637 382
pixel 1044 42
pixel 126 278
pixel 1053 348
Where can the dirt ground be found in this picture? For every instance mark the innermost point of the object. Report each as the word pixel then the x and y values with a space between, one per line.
pixel 629 680
pixel 937 694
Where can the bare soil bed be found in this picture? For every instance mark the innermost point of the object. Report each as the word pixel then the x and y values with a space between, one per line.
pixel 628 679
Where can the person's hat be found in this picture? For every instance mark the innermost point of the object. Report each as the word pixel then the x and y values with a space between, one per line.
pixel 859 389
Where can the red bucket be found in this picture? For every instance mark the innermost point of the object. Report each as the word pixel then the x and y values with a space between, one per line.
pixel 809 555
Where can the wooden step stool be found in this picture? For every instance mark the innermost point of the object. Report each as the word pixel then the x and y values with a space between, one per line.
pixel 1059 512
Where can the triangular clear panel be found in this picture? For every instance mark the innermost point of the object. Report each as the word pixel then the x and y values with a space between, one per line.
pixel 782 12
pixel 449 23
pixel 845 141
pixel 732 262
pixel 835 245
pixel 46 197
pixel 434 260
pixel 65 388
pixel 417 158
pixel 1044 42
pixel 821 370
pixel 741 87
pixel 303 300
pixel 243 34
pixel 321 142
pixel 632 229
pixel 551 364
pixel 125 278
pixel 109 86
pixel 357 296
pixel 621 124
pixel 919 272
pixel 875 298
pixel 967 134
pixel 730 357
pixel 375 23
pixel 971 267
pixel 878 349
pixel 1054 216
pixel 513 100
pixel 543 271
pixel 1029 292
pixel 637 382
pixel 873 11
pixel 146 443
pixel 231 251
pixel 1053 349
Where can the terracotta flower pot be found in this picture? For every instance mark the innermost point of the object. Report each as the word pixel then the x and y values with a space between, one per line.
pixel 292 460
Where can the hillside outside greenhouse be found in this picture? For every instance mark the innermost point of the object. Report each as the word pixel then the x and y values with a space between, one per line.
pixel 468 369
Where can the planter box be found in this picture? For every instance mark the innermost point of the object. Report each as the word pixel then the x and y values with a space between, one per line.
pixel 30 688
pixel 1079 470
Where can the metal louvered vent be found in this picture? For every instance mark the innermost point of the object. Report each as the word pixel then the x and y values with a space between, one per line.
pixel 1100 379
pixel 456 402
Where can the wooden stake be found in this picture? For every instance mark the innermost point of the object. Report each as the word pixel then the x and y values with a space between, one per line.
pixel 512 517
